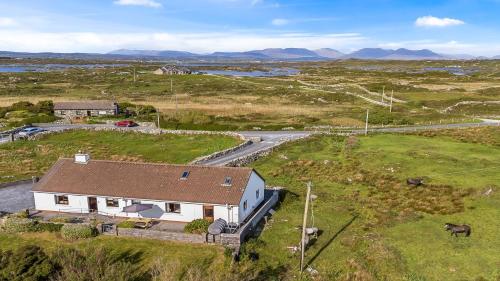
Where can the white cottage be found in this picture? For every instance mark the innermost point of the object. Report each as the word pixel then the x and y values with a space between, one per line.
pixel 177 192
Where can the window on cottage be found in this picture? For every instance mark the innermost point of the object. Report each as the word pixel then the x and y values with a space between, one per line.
pixel 185 175
pixel 62 112
pixel 257 193
pixel 135 202
pixel 78 112
pixel 62 199
pixel 173 208
pixel 228 181
pixel 245 205
pixel 111 202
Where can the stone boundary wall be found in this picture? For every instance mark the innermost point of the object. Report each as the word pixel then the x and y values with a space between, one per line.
pixel 236 239
pixel 144 130
pixel 156 234
pixel 222 153
pixel 247 159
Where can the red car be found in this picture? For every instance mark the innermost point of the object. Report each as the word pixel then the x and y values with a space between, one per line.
pixel 126 123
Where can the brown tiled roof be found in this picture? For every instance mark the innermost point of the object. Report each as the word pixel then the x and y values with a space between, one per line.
pixel 146 181
pixel 85 105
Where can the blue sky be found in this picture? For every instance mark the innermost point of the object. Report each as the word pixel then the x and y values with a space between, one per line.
pixel 460 26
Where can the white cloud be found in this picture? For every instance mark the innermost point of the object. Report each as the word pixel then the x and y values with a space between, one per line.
pixel 145 3
pixel 430 21
pixel 21 40
pixel 255 2
pixel 280 22
pixel 5 22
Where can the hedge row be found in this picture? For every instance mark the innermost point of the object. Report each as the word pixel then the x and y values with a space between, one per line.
pixel 16 224
pixel 78 231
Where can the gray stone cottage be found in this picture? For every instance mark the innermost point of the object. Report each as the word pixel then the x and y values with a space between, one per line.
pixel 80 109
pixel 172 70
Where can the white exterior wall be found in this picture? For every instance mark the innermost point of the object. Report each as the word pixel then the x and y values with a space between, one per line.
pixel 254 183
pixel 79 204
pixel 47 202
pixel 228 214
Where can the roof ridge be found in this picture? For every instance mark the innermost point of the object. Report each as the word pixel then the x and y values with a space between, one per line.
pixel 163 164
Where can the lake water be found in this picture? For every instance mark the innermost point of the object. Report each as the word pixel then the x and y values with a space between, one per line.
pixel 255 73
pixel 452 70
pixel 16 68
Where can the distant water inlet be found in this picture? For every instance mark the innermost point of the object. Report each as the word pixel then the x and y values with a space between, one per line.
pixel 254 73
pixel 17 68
pixel 455 70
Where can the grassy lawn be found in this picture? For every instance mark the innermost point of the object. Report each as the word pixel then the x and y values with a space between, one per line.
pixel 142 253
pixel 22 159
pixel 374 226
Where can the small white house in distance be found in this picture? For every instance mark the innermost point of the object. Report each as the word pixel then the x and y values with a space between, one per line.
pixel 172 192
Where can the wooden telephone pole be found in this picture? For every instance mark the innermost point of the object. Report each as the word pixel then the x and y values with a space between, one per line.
pixel 390 107
pixel 366 124
pixel 304 223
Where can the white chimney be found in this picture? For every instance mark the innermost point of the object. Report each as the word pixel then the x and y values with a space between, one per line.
pixel 82 158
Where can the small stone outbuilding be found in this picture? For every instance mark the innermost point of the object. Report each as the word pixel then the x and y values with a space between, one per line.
pixel 80 109
pixel 172 70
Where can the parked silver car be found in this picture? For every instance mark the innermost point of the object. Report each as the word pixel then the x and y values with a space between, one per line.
pixel 30 131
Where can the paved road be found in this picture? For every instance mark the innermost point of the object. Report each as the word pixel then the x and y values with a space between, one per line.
pixel 16 198
pixel 267 140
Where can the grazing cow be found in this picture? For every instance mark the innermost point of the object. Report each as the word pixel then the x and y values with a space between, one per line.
pixel 454 229
pixel 415 182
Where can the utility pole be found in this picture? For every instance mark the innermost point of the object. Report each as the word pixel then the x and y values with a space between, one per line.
pixel 383 93
pixel 304 223
pixel 134 74
pixel 366 125
pixel 175 95
pixel 390 107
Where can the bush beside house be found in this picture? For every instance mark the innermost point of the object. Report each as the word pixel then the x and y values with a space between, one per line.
pixel 197 226
pixel 14 224
pixel 78 231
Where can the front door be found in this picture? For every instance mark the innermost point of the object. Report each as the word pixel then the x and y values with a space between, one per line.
pixel 208 213
pixel 92 204
pixel 89 113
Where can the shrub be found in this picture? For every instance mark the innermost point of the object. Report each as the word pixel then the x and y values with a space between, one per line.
pixel 22 214
pixel 48 227
pixel 78 231
pixel 96 263
pixel 126 224
pixel 15 224
pixel 26 263
pixel 22 105
pixel 197 226
pixel 62 219
pixel 45 106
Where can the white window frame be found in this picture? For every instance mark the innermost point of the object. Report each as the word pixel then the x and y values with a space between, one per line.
pixel 167 209
pixel 56 199
pixel 117 202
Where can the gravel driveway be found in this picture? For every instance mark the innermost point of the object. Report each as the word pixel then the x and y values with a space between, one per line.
pixel 16 198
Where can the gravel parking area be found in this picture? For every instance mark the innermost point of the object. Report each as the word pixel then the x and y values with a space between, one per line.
pixel 16 198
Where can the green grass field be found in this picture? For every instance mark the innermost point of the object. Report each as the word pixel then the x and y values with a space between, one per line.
pixel 22 159
pixel 143 254
pixel 321 95
pixel 374 226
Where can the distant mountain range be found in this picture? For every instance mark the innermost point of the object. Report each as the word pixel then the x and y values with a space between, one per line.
pixel 273 54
